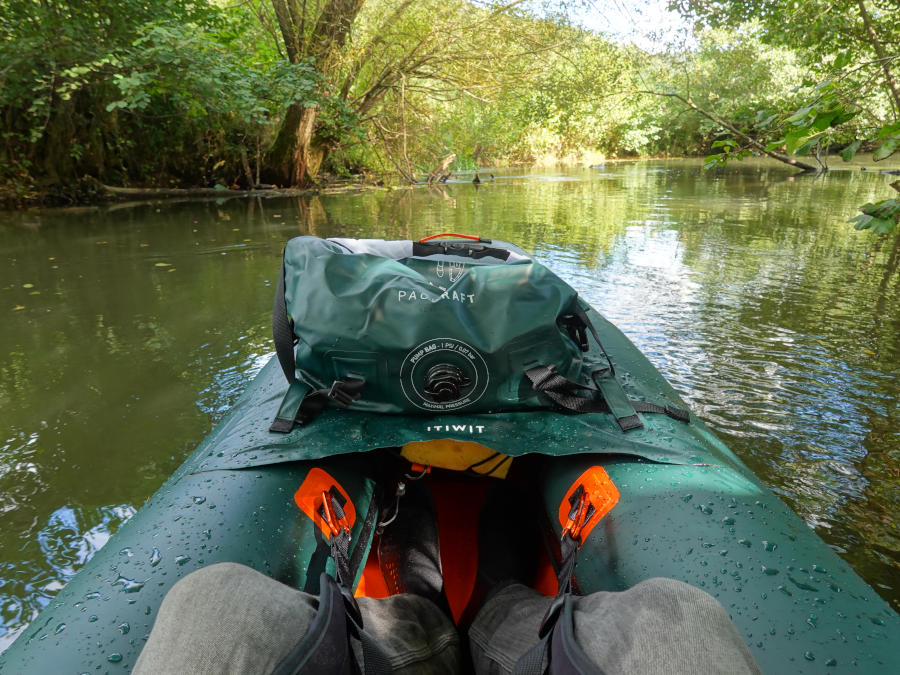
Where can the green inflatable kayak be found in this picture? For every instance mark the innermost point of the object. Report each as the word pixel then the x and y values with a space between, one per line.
pixel 582 404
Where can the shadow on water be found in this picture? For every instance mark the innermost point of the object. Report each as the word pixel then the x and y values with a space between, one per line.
pixel 129 332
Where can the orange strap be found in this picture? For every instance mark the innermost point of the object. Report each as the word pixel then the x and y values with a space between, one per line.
pixel 321 498
pixel 450 234
pixel 590 498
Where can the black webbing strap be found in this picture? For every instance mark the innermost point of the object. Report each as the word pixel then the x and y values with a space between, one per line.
pixel 340 553
pixel 546 380
pixel 283 330
pixel 474 251
pixel 557 651
pixel 608 397
pixel 679 414
pixel 375 660
pixel 365 534
pixel 326 646
pixel 581 314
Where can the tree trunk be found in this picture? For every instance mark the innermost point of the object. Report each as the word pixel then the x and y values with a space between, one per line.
pixel 295 158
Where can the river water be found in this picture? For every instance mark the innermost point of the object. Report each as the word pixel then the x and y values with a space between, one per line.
pixel 127 332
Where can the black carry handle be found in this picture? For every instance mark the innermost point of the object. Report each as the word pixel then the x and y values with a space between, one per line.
pixel 463 249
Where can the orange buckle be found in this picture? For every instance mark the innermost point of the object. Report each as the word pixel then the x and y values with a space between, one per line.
pixel 326 503
pixel 585 504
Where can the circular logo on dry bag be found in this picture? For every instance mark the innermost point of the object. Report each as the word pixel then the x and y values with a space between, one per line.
pixel 443 374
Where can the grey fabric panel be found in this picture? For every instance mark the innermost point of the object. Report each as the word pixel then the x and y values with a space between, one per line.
pixel 386 249
pixel 228 618
pixel 225 618
pixel 658 627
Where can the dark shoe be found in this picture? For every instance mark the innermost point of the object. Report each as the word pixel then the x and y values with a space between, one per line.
pixel 509 545
pixel 409 553
pixel 509 542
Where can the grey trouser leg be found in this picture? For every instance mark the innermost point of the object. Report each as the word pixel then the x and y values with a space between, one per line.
pixel 659 626
pixel 228 618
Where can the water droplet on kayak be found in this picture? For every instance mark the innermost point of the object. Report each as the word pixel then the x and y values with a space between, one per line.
pixel 155 557
pixel 728 521
pixel 812 620
pixel 820 570
pixel 128 585
pixel 878 621
pixel 745 542
pixel 114 658
pixel 199 500
pixel 124 628
pixel 92 618
pixel 831 662
pixel 127 552
pixel 769 546
pixel 59 629
pixel 705 508
pixel 181 559
pixel 771 571
pixel 809 656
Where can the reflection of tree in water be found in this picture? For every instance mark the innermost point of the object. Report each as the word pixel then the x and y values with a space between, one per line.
pixel 30 577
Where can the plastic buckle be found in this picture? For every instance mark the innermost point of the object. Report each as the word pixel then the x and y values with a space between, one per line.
pixel 339 395
pixel 579 514
pixel 334 515
pixel 590 498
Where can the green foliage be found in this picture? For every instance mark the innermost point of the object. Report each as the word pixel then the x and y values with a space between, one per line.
pixel 881 217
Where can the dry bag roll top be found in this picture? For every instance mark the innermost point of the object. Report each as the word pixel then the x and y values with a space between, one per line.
pixel 433 327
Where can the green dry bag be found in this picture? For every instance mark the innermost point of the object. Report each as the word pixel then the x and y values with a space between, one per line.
pixel 424 327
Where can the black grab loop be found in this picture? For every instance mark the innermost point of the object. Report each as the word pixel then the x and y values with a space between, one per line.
pixel 607 397
pixel 462 249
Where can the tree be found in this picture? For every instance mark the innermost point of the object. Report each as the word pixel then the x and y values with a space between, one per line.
pixel 851 50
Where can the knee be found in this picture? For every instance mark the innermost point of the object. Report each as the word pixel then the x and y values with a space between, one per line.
pixel 201 583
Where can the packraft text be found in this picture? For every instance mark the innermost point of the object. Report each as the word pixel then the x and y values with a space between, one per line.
pixel 412 296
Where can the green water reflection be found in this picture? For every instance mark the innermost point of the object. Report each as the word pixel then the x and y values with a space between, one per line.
pixel 128 332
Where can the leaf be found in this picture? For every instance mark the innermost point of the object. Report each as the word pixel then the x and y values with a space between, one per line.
pixel 794 139
pixel 886 149
pixel 862 221
pixel 848 152
pixel 888 130
pixel 842 60
pixel 162 264
pixel 774 145
pixel 824 120
pixel 800 115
